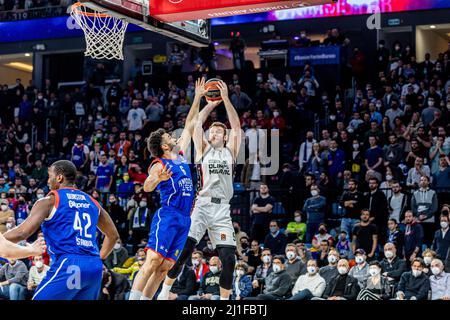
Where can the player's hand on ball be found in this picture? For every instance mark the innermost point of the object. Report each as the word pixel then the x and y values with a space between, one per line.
pixel 223 89
pixel 38 247
pixel 200 87
pixel 165 173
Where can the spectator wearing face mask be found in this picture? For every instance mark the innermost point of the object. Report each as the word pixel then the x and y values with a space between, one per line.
pixel 294 265
pixel 209 286
pixel 428 256
pixel 13 280
pixel 209 251
pixel 5 213
pixel 314 208
pixel 310 284
pixel 296 229
pixel 441 242
pixel 361 271
pixel 139 222
pixel 117 257
pixel 135 267
pixel 239 234
pixel 341 287
pixel 277 284
pixel 199 266
pixel 275 240
pixel 375 287
pixel 414 285
pixel 395 236
pixel 343 246
pixel 330 271
pixel 37 274
pixel 242 284
pixel 263 270
pixel 439 281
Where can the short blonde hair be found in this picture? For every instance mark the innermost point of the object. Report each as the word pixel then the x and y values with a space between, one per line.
pixel 219 124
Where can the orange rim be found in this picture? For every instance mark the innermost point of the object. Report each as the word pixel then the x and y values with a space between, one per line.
pixel 75 9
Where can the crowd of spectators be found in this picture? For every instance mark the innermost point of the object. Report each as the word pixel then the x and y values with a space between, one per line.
pixel 365 200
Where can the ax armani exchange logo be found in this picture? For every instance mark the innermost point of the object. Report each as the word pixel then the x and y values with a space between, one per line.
pixel 175 1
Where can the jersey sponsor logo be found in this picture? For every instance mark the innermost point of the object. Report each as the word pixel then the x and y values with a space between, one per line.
pixel 219 167
pixel 74 204
pixel 185 185
pixel 223 237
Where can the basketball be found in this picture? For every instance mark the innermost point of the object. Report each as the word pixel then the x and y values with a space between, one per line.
pixel 213 91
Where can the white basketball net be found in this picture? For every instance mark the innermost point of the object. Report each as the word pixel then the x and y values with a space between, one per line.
pixel 104 33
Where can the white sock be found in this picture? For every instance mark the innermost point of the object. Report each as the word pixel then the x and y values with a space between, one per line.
pixel 164 291
pixel 145 298
pixel 223 298
pixel 135 295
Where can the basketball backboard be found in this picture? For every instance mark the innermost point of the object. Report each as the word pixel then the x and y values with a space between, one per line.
pixel 194 32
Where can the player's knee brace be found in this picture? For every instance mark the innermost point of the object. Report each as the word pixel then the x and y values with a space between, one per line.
pixel 228 259
pixel 186 253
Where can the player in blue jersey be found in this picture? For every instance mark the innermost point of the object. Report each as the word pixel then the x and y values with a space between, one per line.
pixel 170 175
pixel 69 219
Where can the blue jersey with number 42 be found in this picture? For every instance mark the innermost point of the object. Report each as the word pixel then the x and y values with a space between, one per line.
pixel 71 227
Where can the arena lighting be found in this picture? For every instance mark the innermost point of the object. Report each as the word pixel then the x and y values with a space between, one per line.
pixel 20 66
pixel 216 43
pixel 432 27
pixel 296 37
pixel 27 54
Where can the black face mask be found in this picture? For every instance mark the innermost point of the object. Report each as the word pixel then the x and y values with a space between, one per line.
pixel 244 245
pixel 236 230
pixel 322 231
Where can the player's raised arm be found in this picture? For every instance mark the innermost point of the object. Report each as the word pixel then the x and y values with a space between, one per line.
pixel 9 250
pixel 200 142
pixel 107 227
pixel 188 131
pixel 157 173
pixel 234 140
pixel 38 214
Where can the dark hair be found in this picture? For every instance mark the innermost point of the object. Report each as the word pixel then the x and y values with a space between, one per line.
pixel 279 257
pixel 375 263
pixel 393 220
pixel 65 168
pixel 154 143
pixel 354 181
pixel 373 178
pixel 420 260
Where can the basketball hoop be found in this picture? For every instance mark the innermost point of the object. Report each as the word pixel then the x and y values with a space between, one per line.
pixel 104 33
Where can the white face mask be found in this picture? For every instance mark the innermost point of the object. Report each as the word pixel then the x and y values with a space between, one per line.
pixel 332 259
pixel 214 269
pixel 117 246
pixel 210 247
pixel 374 271
pixel 342 270
pixel 389 177
pixel 388 254
pixel 427 260
pixel 266 259
pixel 359 259
pixel 298 219
pixel 276 268
pixel 311 270
pixel 430 103
pixel 332 118
pixel 240 273
pixel 314 193
pixel 4 207
pixel 39 264
pixel 356 146
pixel 9 226
pixel 444 224
pixel 39 195
pixel 276 114
pixel 290 255
pixel 416 273
pixel 142 204
pixel 195 262
pixel 436 271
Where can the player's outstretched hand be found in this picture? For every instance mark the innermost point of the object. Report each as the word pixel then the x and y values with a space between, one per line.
pixel 223 89
pixel 200 87
pixel 165 173
pixel 38 247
